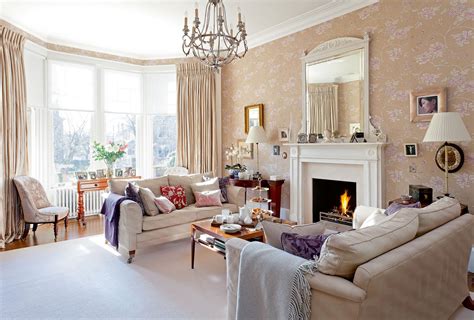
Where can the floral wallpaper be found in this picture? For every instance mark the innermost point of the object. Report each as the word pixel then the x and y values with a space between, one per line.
pixel 414 45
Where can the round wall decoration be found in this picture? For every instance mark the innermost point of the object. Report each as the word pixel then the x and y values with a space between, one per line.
pixel 455 157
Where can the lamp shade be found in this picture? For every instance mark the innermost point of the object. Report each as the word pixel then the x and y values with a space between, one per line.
pixel 447 126
pixel 256 135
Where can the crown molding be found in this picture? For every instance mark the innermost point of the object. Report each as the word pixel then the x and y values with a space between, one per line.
pixel 329 11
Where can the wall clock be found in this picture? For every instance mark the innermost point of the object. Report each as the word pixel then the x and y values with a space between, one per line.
pixel 455 157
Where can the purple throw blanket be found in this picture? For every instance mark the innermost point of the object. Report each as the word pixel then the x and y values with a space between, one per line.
pixel 111 210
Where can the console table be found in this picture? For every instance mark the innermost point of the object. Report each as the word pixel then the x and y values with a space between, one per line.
pixel 91 185
pixel 274 192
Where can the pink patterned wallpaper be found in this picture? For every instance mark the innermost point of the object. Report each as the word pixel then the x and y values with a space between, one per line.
pixel 414 45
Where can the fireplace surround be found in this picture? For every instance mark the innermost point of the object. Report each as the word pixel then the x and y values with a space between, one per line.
pixel 361 163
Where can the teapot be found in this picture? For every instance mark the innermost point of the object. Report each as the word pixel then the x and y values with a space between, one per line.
pixel 243 213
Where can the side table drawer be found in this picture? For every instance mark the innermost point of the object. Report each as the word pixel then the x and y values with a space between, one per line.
pixel 90 185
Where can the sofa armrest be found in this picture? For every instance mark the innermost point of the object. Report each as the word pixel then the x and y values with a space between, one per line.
pixel 233 248
pixel 336 286
pixel 236 195
pixel 361 213
pixel 131 216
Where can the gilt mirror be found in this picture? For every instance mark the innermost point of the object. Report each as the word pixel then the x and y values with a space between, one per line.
pixel 336 87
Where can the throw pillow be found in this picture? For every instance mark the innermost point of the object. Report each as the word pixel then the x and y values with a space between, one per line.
pixel 132 191
pixel 185 182
pixel 148 199
pixel 274 230
pixel 175 194
pixel 208 198
pixel 436 214
pixel 375 218
pixel 304 246
pixel 164 205
pixel 223 183
pixel 395 207
pixel 207 185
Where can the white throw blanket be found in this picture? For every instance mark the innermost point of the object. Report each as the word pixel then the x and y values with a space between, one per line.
pixel 272 284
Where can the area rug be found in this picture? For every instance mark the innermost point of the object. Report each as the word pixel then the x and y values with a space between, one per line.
pixel 85 278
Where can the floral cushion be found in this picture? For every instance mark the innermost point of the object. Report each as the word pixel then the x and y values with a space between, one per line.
pixel 304 246
pixel 175 194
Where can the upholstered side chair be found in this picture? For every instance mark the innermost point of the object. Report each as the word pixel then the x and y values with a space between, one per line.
pixel 178 171
pixel 36 206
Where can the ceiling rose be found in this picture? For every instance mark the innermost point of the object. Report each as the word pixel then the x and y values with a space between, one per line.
pixel 215 43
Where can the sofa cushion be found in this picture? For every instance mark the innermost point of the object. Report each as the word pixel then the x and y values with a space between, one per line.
pixel 342 253
pixel 118 186
pixel 208 198
pixel 176 195
pixel 167 220
pixel 395 207
pixel 209 184
pixel 373 219
pixel 437 214
pixel 273 231
pixel 132 191
pixel 304 246
pixel 185 182
pixel 164 205
pixel 153 184
pixel 148 200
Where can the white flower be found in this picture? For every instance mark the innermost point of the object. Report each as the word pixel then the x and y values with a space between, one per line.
pixel 109 148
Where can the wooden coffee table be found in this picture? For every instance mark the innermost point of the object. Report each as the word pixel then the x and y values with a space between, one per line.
pixel 206 228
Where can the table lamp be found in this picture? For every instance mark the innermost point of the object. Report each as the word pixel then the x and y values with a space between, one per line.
pixel 256 135
pixel 446 127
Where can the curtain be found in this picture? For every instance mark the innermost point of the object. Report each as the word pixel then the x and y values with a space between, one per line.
pixel 13 133
pixel 196 118
pixel 322 105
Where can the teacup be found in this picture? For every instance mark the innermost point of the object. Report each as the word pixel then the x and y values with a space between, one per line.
pixel 219 218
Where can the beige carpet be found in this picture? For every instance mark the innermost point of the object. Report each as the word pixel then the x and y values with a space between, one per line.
pixel 85 278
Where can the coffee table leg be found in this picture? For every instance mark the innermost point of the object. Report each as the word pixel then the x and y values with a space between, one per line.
pixel 193 248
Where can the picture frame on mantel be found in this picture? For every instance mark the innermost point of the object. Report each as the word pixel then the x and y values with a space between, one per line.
pixel 253 115
pixel 425 103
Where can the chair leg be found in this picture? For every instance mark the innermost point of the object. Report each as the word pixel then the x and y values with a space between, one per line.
pixel 35 226
pixel 55 227
pixel 25 232
pixel 65 222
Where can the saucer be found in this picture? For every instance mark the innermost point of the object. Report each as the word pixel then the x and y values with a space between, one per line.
pixel 231 228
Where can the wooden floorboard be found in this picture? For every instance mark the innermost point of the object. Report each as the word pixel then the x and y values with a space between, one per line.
pixel 44 234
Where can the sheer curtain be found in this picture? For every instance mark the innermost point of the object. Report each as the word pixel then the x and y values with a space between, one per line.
pixel 196 118
pixel 322 108
pixel 13 133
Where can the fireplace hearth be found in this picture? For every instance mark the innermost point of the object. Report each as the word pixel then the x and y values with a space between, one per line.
pixel 334 200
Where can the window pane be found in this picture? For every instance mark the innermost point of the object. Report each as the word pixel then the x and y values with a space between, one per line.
pixel 161 88
pixel 122 91
pixel 164 143
pixel 122 128
pixel 71 86
pixel 71 135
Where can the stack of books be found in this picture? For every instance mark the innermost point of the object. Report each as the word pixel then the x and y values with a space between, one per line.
pixel 219 245
pixel 206 239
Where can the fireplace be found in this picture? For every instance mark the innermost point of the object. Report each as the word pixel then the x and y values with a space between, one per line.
pixel 334 200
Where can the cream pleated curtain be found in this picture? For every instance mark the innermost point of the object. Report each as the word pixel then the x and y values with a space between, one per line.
pixel 322 108
pixel 196 118
pixel 13 133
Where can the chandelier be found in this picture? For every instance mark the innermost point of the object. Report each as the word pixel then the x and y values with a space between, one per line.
pixel 213 44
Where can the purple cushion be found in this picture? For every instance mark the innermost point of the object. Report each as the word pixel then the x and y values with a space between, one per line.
pixel 223 183
pixel 132 192
pixel 304 246
pixel 395 207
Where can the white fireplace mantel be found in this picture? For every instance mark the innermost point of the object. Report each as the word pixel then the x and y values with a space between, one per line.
pixel 357 162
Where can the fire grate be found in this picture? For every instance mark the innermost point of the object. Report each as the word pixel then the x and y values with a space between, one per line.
pixel 336 217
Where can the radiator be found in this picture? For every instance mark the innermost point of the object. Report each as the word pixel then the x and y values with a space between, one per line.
pixel 67 197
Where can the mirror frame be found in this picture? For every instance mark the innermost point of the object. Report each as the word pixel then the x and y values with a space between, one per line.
pixel 334 48
pixel 247 109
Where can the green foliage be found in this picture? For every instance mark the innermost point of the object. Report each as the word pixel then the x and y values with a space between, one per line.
pixel 110 152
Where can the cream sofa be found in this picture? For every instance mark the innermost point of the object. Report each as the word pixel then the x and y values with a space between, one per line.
pixel 137 230
pixel 425 278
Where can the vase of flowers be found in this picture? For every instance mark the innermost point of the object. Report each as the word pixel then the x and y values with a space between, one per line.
pixel 110 153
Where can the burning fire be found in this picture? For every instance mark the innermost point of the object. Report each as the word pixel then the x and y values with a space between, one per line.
pixel 344 207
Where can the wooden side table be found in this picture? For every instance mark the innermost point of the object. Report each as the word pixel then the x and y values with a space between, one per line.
pixel 274 191
pixel 91 185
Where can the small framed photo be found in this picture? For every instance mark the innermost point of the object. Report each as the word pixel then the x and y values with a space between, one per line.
pixel 126 172
pixel 302 138
pixel 245 149
pixel 423 104
pixel 81 175
pixel 92 175
pixel 284 134
pixel 410 149
pixel 276 150
pixel 100 173
pixel 133 172
pixel 313 138
pixel 118 172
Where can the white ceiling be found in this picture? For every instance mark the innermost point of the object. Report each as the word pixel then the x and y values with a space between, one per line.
pixel 153 29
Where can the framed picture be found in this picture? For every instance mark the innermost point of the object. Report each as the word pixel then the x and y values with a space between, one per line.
pixel 423 104
pixel 81 175
pixel 284 134
pixel 302 138
pixel 133 172
pixel 312 138
pixel 100 173
pixel 410 149
pixel 92 175
pixel 245 149
pixel 126 172
pixel 253 116
pixel 276 150
pixel 118 172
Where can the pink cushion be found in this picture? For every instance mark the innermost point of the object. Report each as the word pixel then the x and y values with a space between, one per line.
pixel 208 198
pixel 164 205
